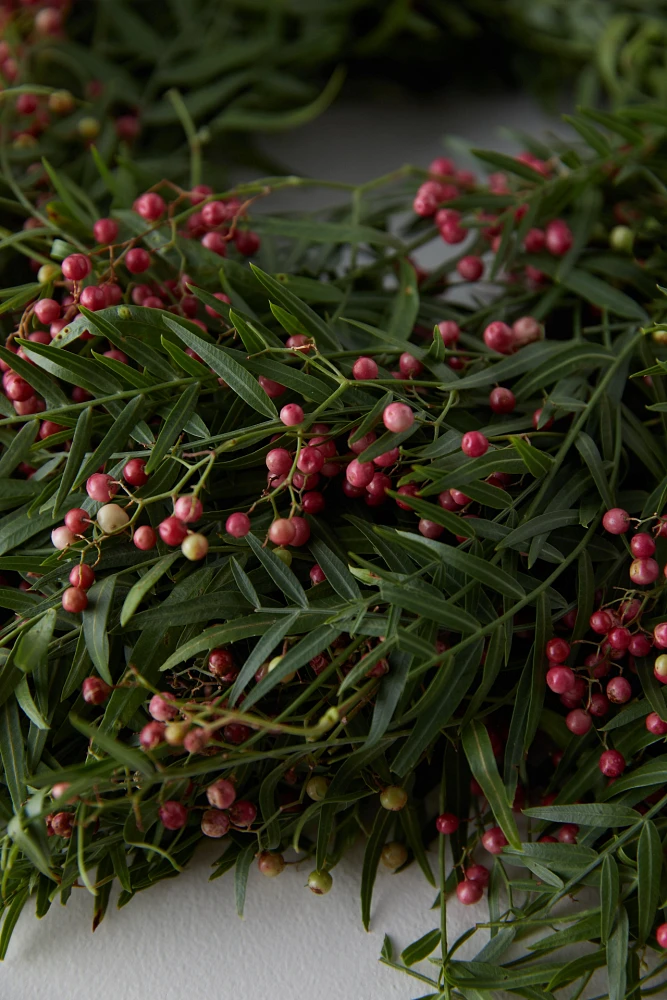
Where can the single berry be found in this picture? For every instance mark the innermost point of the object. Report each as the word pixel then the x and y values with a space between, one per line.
pixel 557 650
pixel 111 518
pixel 560 679
pixel 601 622
pixel 364 369
pixel 62 537
pixel 101 487
pixel 172 531
pixel 242 813
pixel 494 840
pixel 619 690
pixel 500 337
pixel 644 572
pixel 134 472
pixel 144 538
pixel 568 833
pixel 359 474
pixel 661 935
pixel 656 725
pixel 95 691
pixel 616 521
pixel 214 823
pixel 394 855
pixel 270 863
pixel 47 311
pixel 237 525
pixel 470 268
pixel 291 414
pixel 578 721
pixel 469 892
pixel 137 260
pixel 642 546
pixel 82 576
pixel 449 331
pixel 474 444
pixel 105 231
pixel 74 600
pixel 447 823
pixel 612 763
pixel 152 735
pixel 221 794
pixel 398 417
pixel 188 509
pixel 559 238
pixel 394 798
pixel 194 546
pixel 319 882
pixel 173 815
pixel 660 635
pixel 478 873
pixel 502 400
pixel 76 267
pixel 282 531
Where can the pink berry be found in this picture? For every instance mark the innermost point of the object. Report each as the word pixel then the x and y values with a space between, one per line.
pixel 188 509
pixel 640 645
pixel 469 892
pixel 655 724
pixel 612 763
pixel 317 575
pixel 134 474
pixel 502 400
pixel 474 444
pixel 560 679
pixel 364 368
pixel 429 529
pixel 478 873
pixel 578 721
pixel 82 576
pixel 76 267
pixel 301 531
pixel 619 638
pixel 95 691
pixel 642 546
pixel 279 461
pixel 447 823
pixel 409 365
pixel 149 206
pixel 243 813
pixel 221 794
pixel 619 690
pixel 535 240
pixel 105 231
pixel 494 840
pixel 74 600
pixel 246 242
pixel 559 237
pixel 291 414
pixel 616 521
pixel 598 705
pixel 173 815
pixel 644 572
pixel 172 531
pixel 470 268
pixel 16 388
pixel 359 474
pixel 152 735
pixel 271 388
pixel 144 538
pixel 398 417
pixel 449 331
pixel 137 260
pixel 526 331
pixel 282 531
pixel 364 442
pixel 660 635
pixel 410 489
pixel 77 520
pixel 557 650
pixel 310 460
pixel 92 297
pixel 601 622
pixel 237 524
pixel 661 935
pixel 498 336
pixel 47 311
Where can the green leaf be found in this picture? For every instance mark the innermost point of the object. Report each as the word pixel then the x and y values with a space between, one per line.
pixel 336 572
pixel 12 914
pixel 173 425
pixel 508 164
pixel 261 652
pixel 609 893
pixel 281 574
pixel 433 512
pixel 421 949
pixel 372 853
pixel 308 647
pixel 114 440
pixel 589 814
pixel 43 386
pixel 406 303
pixel 617 956
pixel 318 231
pixel 94 620
pixel 19 447
pixel 477 747
pixel 126 756
pixel 236 377
pixel 12 752
pixel 468 564
pixel 588 450
pixel 241 872
pixel 599 293
pixel 649 878
pixel 543 523
pixel 80 445
pixel 72 368
pixel 244 583
pixel 28 706
pixel 417 598
pixel 143 585
pixel 305 315
pixel 536 461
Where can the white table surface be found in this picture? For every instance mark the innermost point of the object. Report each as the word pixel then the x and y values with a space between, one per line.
pixel 182 938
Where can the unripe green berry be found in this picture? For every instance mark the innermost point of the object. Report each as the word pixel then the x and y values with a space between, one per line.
pixel 659 336
pixel 24 141
pixel 194 546
pixel 48 273
pixel 61 102
pixel 394 854
pixel 124 312
pixel 284 555
pixel 175 733
pixel 320 882
pixel 89 128
pixel 272 664
pixel 622 238
pixel 270 864
pixel 330 718
pixel 393 798
pixel 317 788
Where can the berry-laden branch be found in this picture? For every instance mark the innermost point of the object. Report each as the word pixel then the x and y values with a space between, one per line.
pixel 290 543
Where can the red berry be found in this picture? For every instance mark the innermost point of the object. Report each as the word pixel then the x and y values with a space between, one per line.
pixel 642 546
pixel 578 722
pixel 447 823
pixel 144 538
pixel 172 531
pixel 152 735
pixel 568 833
pixel 221 794
pixel 661 935
pixel 237 524
pixel 470 268
pixel 410 489
pixel 474 444
pixel 173 815
pixel 612 763
pixel 526 330
pixel 560 679
pixel 398 417
pixel 242 813
pixel 469 892
pixel 282 531
pixel 655 724
pixel 76 267
pixel 502 400
pixel 598 705
pixel 601 622
pixel 301 531
pixel 494 840
pixel 101 487
pixel 216 243
pixel 160 709
pixel 16 388
pixel 137 260
pixel 534 241
pixel 644 572
pixel 313 502
pixel 619 690
pixel 310 460
pixel 640 645
pixel 77 520
pixel 660 635
pixel 95 691
pixel 105 231
pixel 364 368
pixel 246 242
pixel 499 337
pixel 317 575
pixel 82 576
pixel 478 873
pixel 429 529
pixel 134 474
pixel 449 331
pixel 271 388
pixel 619 638
pixel 557 650
pixel 539 424
pixel 149 206
pixel 559 237
pixel 74 600
pixel 616 521
pixel 359 474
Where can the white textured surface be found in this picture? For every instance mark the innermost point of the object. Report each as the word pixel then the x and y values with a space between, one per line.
pixel 183 938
